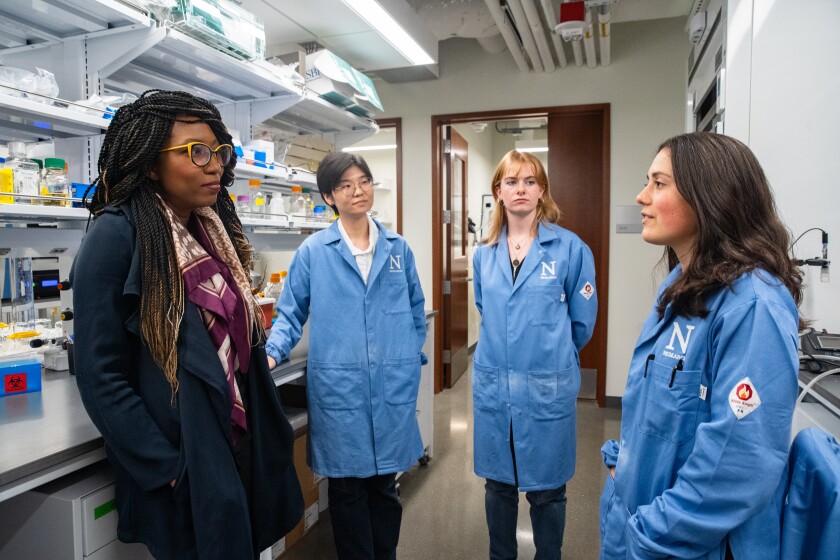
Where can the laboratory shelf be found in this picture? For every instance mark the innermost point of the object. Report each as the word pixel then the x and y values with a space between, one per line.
pixel 313 115
pixel 34 120
pixel 248 171
pixel 24 23
pixel 167 57
pixel 279 176
pixel 36 213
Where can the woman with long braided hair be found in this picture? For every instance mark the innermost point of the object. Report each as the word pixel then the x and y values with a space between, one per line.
pixel 170 358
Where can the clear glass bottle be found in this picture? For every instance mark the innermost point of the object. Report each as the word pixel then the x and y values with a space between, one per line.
pixel 307 202
pixel 273 289
pixel 54 184
pixel 257 199
pixel 25 173
pixel 243 205
pixel 297 206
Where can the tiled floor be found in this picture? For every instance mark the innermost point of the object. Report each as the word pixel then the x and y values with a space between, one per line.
pixel 443 517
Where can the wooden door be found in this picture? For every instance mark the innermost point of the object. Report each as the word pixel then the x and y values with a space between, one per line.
pixel 455 315
pixel 578 172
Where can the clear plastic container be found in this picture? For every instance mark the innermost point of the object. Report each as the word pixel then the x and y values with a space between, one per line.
pixel 54 183
pixel 297 205
pixel 26 173
pixel 257 199
pixel 307 201
pixel 243 205
pixel 277 205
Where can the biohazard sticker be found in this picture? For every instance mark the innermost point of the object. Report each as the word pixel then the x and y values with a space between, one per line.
pixel 587 291
pixel 743 399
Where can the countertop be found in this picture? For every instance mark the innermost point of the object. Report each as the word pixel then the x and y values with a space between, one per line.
pixel 48 434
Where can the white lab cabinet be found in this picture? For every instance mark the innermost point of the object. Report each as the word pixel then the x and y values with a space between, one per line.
pixel 72 518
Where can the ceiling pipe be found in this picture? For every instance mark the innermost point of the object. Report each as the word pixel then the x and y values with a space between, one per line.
pixel 525 32
pixel 551 19
pixel 604 33
pixel 508 35
pixel 537 30
pixel 589 41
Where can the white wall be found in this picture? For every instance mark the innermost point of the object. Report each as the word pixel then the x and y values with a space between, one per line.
pixel 789 117
pixel 645 86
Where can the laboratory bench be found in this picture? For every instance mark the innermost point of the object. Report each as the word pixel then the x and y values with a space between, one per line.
pixel 48 434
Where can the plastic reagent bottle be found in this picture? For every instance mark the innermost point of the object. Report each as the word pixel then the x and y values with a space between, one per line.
pixel 257 198
pixel 55 183
pixel 243 205
pixel 307 202
pixel 26 173
pixel 298 204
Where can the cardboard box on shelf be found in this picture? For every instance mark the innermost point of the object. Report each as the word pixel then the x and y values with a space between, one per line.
pixel 311 493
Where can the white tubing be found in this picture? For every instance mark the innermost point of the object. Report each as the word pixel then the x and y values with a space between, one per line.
pixel 508 35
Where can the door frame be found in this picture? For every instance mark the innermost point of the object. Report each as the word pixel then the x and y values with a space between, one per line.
pixel 438 122
pixel 396 124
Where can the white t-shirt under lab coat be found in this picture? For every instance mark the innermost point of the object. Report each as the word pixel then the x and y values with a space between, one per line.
pixel 364 259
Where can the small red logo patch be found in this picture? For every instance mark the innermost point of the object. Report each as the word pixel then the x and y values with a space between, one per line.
pixel 15 382
pixel 744 392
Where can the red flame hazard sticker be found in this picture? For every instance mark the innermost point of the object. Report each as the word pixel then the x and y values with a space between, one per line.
pixel 743 399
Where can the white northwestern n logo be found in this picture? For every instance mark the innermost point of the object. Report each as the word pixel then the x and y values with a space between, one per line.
pixel 395 262
pixel 677 332
pixel 548 269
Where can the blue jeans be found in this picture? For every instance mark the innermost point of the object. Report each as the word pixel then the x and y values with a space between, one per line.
pixel 366 515
pixel 548 520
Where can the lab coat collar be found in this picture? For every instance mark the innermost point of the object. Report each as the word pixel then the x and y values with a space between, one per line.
pixel 653 324
pixel 545 234
pixel 332 236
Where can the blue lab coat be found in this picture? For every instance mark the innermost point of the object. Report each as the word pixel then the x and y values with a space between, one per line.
pixel 363 368
pixel 812 509
pixel 526 370
pixel 700 462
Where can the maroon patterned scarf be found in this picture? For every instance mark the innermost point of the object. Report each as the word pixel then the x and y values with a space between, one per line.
pixel 216 283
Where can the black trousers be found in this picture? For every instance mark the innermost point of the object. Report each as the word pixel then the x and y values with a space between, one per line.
pixel 366 515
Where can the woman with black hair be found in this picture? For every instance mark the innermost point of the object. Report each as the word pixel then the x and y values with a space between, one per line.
pixel 706 415
pixel 356 283
pixel 169 352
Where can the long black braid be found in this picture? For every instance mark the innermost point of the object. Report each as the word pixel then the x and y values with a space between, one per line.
pixel 129 151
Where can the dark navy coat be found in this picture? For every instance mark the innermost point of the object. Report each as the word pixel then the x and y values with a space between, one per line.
pixel 152 439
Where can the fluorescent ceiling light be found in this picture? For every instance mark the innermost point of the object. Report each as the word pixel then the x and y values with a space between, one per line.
pixel 532 146
pixel 370 148
pixel 379 19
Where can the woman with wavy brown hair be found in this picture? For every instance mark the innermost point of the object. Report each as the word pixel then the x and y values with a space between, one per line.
pixel 706 415
pixel 169 357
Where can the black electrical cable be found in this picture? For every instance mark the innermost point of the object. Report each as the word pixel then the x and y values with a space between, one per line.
pixel 803 233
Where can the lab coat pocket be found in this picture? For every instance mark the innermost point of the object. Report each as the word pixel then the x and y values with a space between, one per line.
pixel 402 379
pixel 544 304
pixel 336 385
pixel 485 387
pixel 671 412
pixel 393 295
pixel 546 390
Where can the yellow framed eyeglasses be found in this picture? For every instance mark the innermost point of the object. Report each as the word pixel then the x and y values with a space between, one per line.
pixel 201 153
